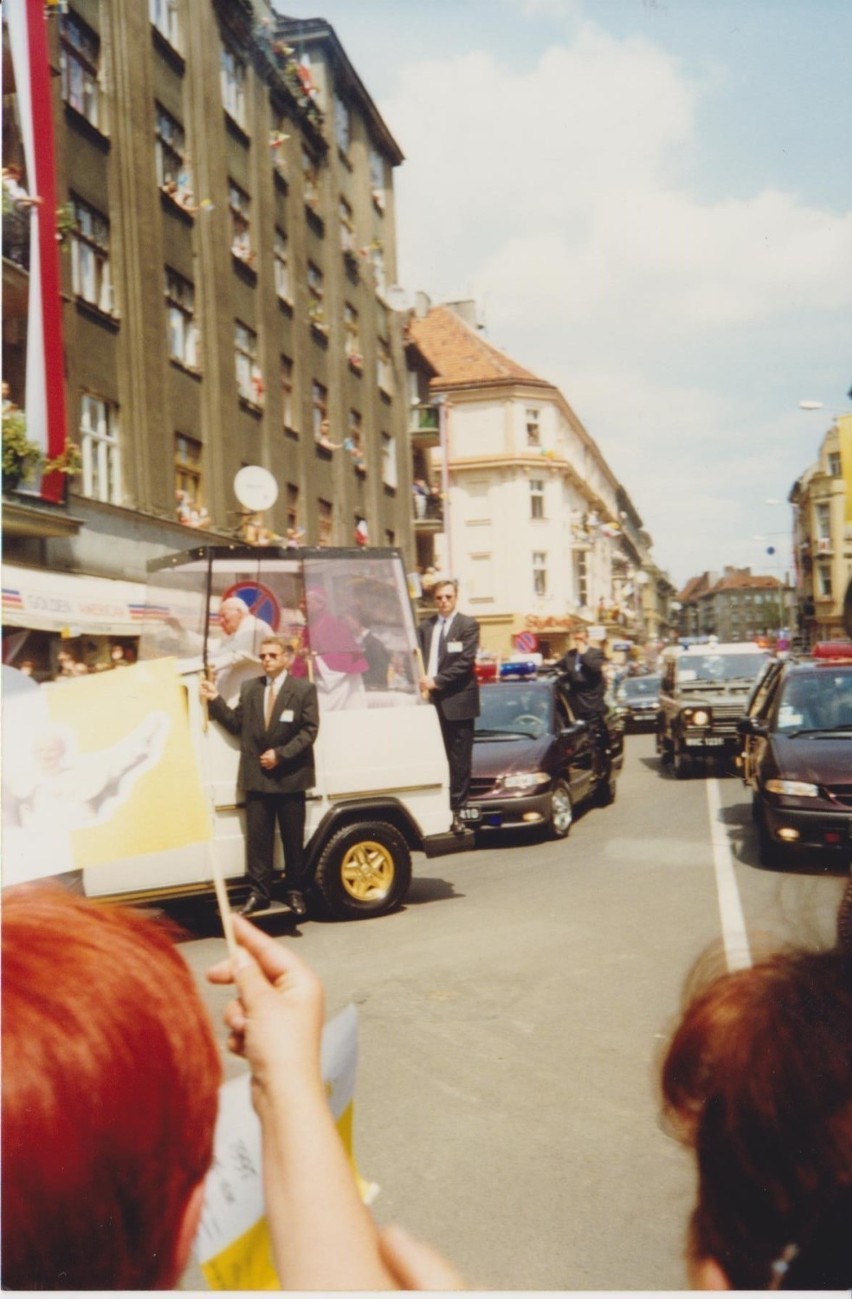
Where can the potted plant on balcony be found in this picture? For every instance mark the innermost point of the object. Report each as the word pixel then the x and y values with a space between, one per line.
pixel 22 458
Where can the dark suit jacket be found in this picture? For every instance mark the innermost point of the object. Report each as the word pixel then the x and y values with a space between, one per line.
pixel 291 738
pixel 586 681
pixel 456 695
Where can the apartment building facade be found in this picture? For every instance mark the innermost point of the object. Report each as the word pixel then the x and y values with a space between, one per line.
pixel 822 536
pixel 227 226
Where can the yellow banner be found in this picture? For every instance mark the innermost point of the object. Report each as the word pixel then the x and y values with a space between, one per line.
pixel 98 769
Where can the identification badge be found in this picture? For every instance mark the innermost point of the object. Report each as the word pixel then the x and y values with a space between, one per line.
pixel 287 715
pixel 454 647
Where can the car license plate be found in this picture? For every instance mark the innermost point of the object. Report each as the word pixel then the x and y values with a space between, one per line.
pixel 714 739
pixel 472 814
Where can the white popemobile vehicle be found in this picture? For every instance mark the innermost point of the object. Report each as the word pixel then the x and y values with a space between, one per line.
pixel 382 787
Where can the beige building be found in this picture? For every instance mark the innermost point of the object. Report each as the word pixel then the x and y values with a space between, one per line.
pixel 823 537
pixel 535 524
pixel 228 244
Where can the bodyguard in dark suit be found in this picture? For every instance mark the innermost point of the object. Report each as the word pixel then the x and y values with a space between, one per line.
pixel 277 720
pixel 449 642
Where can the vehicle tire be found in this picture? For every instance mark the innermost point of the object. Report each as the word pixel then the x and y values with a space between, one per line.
pixel 607 789
pixel 770 854
pixel 682 763
pixel 363 870
pixel 561 811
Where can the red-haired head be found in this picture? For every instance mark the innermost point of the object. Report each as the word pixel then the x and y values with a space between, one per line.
pixel 110 1089
pixel 757 1081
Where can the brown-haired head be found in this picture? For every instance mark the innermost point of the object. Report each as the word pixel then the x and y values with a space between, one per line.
pixel 757 1082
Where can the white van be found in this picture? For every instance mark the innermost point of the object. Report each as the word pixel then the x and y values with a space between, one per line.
pixel 382 784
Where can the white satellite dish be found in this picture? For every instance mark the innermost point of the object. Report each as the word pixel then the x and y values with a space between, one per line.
pixel 398 298
pixel 255 488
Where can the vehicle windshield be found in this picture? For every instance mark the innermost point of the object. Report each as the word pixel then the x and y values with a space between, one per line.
pixel 816 701
pixel 719 667
pixel 639 688
pixel 525 709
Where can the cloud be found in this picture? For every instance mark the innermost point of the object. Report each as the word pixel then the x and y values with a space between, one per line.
pixel 559 196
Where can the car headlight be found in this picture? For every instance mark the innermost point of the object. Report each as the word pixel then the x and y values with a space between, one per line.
pixel 696 716
pixel 798 788
pixel 525 780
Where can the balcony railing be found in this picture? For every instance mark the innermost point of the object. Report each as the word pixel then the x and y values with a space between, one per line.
pixel 428 510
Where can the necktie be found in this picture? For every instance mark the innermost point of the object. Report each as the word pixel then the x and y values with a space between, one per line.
pixel 442 639
pixel 269 701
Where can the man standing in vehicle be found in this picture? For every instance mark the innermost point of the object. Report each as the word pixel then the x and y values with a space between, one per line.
pixel 449 642
pixel 277 720
pixel 582 669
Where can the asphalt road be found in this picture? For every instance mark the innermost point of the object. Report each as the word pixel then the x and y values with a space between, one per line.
pixel 511 1017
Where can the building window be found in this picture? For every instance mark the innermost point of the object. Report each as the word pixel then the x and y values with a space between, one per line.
pixel 233 80
pixel 384 368
pixel 101 474
pixel 342 128
pixel 324 521
pixel 539 566
pixel 533 428
pixel 824 580
pixel 183 332
pixel 292 509
pixel 282 269
pixel 377 261
pixel 536 498
pixel 310 179
pixel 188 479
pixel 319 409
pixel 377 178
pixel 347 226
pixel 173 174
pixel 277 139
pixel 389 477
pixel 249 379
pixel 316 294
pixel 353 442
pixel 823 521
pixel 352 342
pixel 834 467
pixel 239 205
pixel 90 269
pixel 581 578
pixel 79 60
pixel 164 16
pixel 286 372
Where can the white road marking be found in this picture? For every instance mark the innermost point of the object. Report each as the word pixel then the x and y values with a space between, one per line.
pixel 734 934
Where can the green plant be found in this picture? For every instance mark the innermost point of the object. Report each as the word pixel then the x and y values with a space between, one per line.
pixel 23 458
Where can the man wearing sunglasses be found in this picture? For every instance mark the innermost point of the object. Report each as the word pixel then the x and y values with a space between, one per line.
pixel 277 720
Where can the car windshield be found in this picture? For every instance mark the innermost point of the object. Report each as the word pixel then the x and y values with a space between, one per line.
pixel 523 709
pixel 816 701
pixel 719 667
pixel 639 687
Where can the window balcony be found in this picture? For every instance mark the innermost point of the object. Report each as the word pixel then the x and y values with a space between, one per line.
pixel 428 512
pixel 424 426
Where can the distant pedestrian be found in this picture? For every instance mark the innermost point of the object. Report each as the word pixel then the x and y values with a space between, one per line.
pixel 583 668
pixel 449 642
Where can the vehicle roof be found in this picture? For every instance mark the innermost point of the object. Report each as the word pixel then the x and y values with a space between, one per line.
pixel 716 647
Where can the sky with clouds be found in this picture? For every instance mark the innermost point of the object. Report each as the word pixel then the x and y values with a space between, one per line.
pixel 651 202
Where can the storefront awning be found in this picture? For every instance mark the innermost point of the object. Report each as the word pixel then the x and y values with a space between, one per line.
pixel 72 604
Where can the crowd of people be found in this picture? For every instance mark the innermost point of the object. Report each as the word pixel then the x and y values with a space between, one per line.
pixel 110 1097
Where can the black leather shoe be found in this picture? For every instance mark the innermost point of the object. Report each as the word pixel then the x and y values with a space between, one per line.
pixel 458 826
pixel 254 902
pixel 296 903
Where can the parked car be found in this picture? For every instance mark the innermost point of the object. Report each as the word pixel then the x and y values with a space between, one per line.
pixel 637 700
pixel 797 760
pixel 703 694
pixel 534 760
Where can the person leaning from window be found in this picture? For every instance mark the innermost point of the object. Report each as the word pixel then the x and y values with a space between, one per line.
pixel 277 720
pixel 582 669
pixel 449 642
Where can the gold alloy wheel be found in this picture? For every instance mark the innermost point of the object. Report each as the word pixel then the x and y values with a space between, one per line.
pixel 367 871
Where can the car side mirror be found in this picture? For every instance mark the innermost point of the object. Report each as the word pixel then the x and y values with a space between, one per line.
pixel 751 726
pixel 573 730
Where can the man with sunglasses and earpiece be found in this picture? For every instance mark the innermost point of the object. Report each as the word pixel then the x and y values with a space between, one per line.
pixel 277 720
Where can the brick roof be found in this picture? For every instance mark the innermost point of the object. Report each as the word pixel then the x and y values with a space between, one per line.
pixel 461 356
pixel 695 587
pixel 739 581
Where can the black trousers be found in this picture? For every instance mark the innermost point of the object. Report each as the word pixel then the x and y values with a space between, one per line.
pixel 262 812
pixel 458 744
